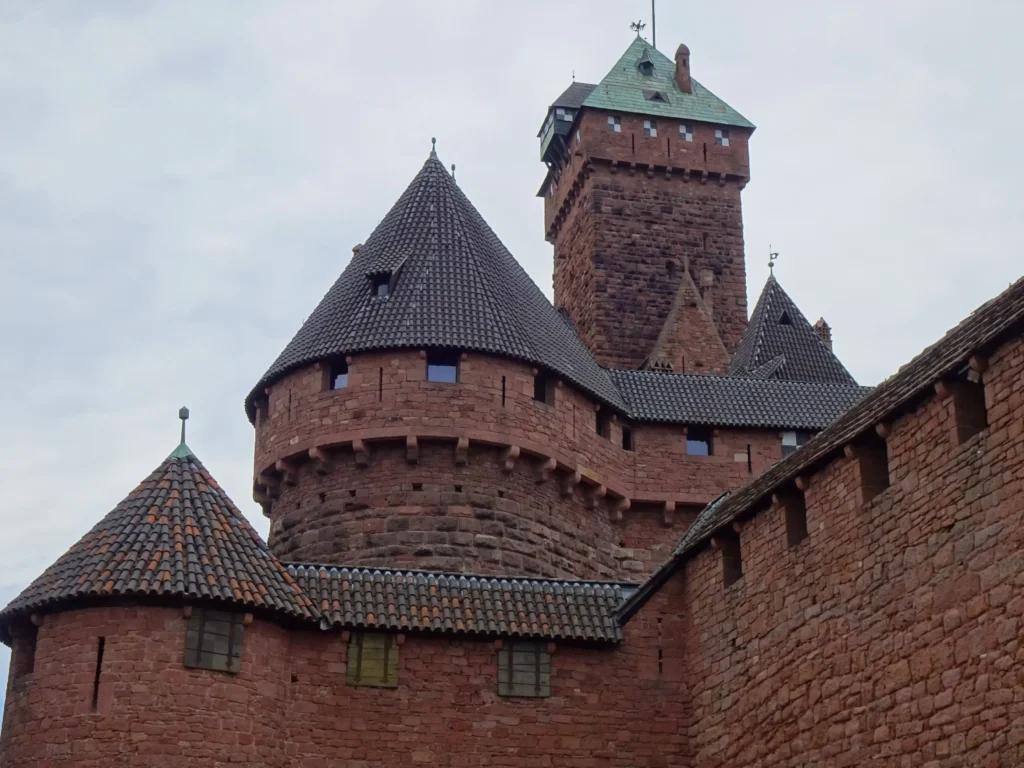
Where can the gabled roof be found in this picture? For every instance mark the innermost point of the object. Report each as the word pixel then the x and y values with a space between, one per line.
pixel 622 90
pixel 459 288
pixel 420 601
pixel 980 333
pixel 733 401
pixel 777 330
pixel 177 535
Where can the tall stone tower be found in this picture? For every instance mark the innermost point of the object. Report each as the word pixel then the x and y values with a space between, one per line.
pixel 642 205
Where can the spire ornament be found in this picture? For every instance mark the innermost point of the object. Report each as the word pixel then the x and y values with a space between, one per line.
pixel 772 256
pixel 433 146
pixel 638 26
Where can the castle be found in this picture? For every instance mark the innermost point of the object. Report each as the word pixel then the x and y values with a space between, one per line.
pixel 630 528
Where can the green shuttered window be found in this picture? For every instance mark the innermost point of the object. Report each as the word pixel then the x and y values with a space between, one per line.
pixel 214 641
pixel 524 669
pixel 372 660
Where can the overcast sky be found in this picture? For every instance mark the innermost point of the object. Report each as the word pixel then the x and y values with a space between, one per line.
pixel 181 182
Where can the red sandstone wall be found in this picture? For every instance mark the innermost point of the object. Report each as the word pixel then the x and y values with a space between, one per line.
pixel 151 709
pixel 477 512
pixel 890 636
pixel 617 229
pixel 290 705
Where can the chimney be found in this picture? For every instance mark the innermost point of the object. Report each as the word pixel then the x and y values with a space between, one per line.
pixel 683 69
pixel 824 331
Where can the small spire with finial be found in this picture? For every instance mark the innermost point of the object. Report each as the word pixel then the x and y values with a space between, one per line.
pixel 433 147
pixel 182 450
pixel 772 256
pixel 453 170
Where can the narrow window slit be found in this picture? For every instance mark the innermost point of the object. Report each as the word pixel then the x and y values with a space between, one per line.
pixel 100 646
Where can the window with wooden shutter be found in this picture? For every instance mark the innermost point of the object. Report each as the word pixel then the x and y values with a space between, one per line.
pixel 524 669
pixel 214 641
pixel 372 660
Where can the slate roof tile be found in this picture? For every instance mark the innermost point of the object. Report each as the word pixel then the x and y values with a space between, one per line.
pixel 784 350
pixel 420 601
pixel 177 535
pixel 732 401
pixel 459 288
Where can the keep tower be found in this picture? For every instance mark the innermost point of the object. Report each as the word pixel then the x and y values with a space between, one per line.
pixel 642 205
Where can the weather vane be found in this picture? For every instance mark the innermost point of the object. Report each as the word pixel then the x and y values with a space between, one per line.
pixel 638 27
pixel 772 256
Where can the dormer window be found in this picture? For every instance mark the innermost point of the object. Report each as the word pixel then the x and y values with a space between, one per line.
pixel 650 128
pixel 685 132
pixel 645 65
pixel 381 286
pixel 722 137
pixel 659 96
pixel 614 123
pixel 784 319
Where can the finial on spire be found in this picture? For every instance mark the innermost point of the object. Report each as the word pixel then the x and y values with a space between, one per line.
pixel 453 170
pixel 433 147
pixel 638 26
pixel 183 415
pixel 772 256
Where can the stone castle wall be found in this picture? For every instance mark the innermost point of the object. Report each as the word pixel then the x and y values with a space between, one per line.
pixel 891 635
pixel 478 476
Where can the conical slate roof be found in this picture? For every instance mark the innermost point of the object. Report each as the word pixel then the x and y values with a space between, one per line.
pixel 177 535
pixel 453 285
pixel 779 343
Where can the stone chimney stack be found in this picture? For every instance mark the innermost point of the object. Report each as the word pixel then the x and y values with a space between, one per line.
pixel 683 69
pixel 824 331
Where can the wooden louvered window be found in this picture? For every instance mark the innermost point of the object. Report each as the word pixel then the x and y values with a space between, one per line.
pixel 214 641
pixel 372 660
pixel 524 669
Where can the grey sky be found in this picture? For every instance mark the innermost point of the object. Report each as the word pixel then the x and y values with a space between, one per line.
pixel 181 182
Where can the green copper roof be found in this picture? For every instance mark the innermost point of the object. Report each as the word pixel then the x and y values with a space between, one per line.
pixel 622 90
pixel 181 452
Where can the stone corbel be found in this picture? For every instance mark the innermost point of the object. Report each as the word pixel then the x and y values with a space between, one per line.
pixel 462 451
pixel 737 525
pixel 362 453
pixel 545 469
pixel 882 430
pixel 551 648
pixel 247 620
pixel 261 498
pixel 850 451
pixel 618 509
pixel 704 177
pixel 321 458
pixel 650 171
pixel 289 471
pixel 186 611
pixel 412 449
pixel 272 483
pixel 803 482
pixel 668 171
pixel 942 390
pixel 594 496
pixel 568 482
pixel 668 513
pixel 509 457
pixel 978 366
pixel 721 179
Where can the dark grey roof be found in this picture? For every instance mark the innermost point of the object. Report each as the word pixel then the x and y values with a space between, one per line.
pixel 732 401
pixel 980 333
pixel 574 96
pixel 421 601
pixel 778 329
pixel 458 288
pixel 176 536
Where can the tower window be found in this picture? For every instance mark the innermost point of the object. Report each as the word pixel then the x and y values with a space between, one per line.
pixel 969 411
pixel 650 128
pixel 443 366
pixel 338 377
pixel 795 505
pixel 524 669
pixel 544 389
pixel 23 650
pixel 614 124
pixel 372 660
pixel 873 461
pixel 214 641
pixel 698 441
pixel 722 137
pixel 791 441
pixel 603 423
pixel 732 557
pixel 685 132
pixel 381 285
pixel 565 115
pixel 646 68
pixel 627 439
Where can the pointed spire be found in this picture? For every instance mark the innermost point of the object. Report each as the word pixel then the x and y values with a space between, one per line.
pixel 182 450
pixel 433 147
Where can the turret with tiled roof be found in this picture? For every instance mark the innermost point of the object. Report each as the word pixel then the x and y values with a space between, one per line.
pixel 176 537
pixel 779 343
